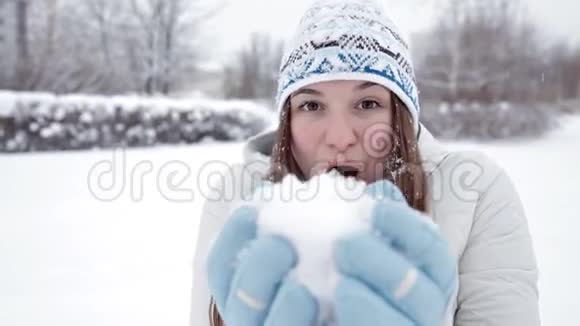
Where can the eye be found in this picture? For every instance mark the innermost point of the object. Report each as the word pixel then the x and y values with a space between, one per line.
pixel 369 105
pixel 310 106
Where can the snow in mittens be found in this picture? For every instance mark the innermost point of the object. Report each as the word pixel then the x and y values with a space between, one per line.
pixel 312 215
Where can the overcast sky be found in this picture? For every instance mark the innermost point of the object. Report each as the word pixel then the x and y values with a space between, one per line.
pixel 231 28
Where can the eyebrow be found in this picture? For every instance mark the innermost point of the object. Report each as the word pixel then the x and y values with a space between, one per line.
pixel 311 91
pixel 365 85
pixel 307 91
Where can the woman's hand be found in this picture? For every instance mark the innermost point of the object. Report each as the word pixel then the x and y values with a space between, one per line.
pixel 400 274
pixel 250 287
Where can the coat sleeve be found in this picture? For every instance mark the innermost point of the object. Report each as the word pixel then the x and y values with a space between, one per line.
pixel 236 184
pixel 212 219
pixel 498 272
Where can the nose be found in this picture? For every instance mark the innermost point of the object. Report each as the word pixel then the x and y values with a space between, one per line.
pixel 340 132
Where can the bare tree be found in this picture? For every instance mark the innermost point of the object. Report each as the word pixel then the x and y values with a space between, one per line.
pixel 109 46
pixel 254 70
pixel 576 69
pixel 104 13
pixel 480 50
pixel 22 44
pixel 565 71
pixel 63 55
pixel 161 35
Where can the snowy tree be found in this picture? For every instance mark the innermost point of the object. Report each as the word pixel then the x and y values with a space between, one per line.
pixel 109 46
pixel 14 43
pixel 59 57
pixel 480 50
pixel 562 73
pixel 254 70
pixel 160 42
pixel 22 42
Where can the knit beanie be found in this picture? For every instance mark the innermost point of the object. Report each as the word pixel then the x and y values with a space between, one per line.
pixel 348 40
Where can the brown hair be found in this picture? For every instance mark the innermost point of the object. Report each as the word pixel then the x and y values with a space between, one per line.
pixel 402 165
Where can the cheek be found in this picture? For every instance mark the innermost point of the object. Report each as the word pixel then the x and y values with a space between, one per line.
pixel 377 139
pixel 305 140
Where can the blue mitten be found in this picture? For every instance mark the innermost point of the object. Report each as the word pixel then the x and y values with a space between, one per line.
pixel 247 277
pixel 400 274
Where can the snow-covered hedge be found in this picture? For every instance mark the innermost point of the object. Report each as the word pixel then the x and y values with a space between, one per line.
pixel 569 106
pixel 485 122
pixel 43 122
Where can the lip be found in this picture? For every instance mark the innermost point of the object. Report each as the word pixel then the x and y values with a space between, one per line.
pixel 325 166
pixel 356 165
pixel 344 162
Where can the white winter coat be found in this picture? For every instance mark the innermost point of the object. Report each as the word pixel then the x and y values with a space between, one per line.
pixel 472 200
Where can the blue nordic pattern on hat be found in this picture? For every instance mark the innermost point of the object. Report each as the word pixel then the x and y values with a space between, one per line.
pixel 348 40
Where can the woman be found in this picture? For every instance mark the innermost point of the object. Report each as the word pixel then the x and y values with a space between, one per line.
pixel 348 100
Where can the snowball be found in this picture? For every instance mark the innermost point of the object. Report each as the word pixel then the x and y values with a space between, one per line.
pixel 312 216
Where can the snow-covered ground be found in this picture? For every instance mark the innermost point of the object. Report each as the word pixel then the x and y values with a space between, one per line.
pixel 69 259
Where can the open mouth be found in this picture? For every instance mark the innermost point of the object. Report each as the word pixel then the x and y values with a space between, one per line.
pixel 345 170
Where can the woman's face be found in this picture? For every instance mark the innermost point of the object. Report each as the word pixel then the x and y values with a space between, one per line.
pixel 342 123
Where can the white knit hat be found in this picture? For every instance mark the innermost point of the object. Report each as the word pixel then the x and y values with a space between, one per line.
pixel 348 40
